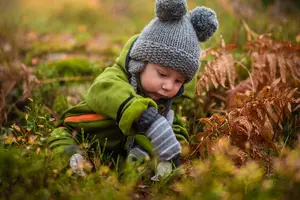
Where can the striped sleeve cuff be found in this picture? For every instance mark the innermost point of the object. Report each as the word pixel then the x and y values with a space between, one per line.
pixel 147 118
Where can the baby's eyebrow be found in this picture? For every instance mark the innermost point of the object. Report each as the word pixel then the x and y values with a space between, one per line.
pixel 164 69
pixel 181 79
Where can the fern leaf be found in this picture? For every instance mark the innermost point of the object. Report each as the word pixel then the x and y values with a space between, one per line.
pixel 272 65
pixel 282 66
pixel 294 66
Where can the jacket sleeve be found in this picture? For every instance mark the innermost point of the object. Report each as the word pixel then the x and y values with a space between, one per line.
pixel 112 96
pixel 179 125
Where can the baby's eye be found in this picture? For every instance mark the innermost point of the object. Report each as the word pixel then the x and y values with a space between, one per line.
pixel 179 81
pixel 162 74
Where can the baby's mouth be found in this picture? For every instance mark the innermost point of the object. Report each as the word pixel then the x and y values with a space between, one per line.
pixel 156 96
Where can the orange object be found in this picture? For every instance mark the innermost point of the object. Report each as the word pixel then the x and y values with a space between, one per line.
pixel 85 117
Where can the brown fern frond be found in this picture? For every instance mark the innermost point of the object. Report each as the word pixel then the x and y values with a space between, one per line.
pixel 258 118
pixel 242 126
pixel 230 69
pixel 271 113
pixel 240 95
pixel 282 67
pixel 257 106
pixel 294 66
pixel 216 126
pixel 268 132
pixel 278 100
pixel 251 127
pixel 11 77
pixel 271 62
pixel 273 59
pixel 259 69
pixel 218 70
pixel 255 113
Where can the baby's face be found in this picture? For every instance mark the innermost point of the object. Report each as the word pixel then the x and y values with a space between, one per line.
pixel 160 82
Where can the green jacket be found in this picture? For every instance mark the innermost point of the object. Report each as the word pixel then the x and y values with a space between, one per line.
pixel 109 110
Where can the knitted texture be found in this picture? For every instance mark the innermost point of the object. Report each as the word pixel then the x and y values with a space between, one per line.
pixel 172 44
pixel 147 118
pixel 136 153
pixel 170 9
pixel 204 22
pixel 134 68
pixel 76 164
pixel 172 39
pixel 170 117
pixel 163 139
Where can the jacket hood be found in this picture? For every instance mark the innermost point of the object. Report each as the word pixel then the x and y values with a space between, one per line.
pixel 124 58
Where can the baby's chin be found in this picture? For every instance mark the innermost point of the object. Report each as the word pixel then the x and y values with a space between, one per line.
pixel 155 96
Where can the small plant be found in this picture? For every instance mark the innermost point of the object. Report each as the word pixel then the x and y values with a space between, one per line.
pixel 257 107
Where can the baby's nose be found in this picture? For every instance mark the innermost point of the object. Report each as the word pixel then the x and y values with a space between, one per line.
pixel 167 85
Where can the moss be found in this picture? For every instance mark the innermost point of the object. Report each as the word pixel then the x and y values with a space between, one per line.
pixel 69 68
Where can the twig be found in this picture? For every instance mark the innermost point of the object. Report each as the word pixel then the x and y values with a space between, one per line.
pixel 217 110
pixel 218 96
pixel 198 146
pixel 249 31
pixel 55 115
pixel 250 76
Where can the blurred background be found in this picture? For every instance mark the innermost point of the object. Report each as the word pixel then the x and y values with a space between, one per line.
pixel 63 43
pixel 113 21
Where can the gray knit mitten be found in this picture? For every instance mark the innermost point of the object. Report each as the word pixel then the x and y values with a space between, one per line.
pixel 76 164
pixel 170 117
pixel 160 133
pixel 163 139
pixel 137 154
pixel 77 160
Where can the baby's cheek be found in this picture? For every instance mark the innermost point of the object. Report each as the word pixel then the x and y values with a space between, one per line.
pixel 178 88
pixel 174 92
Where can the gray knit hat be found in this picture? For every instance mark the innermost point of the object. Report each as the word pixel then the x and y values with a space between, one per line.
pixel 172 38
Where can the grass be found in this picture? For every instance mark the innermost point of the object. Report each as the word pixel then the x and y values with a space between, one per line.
pixel 72 38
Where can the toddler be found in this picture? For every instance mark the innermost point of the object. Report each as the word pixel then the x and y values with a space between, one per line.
pixel 132 108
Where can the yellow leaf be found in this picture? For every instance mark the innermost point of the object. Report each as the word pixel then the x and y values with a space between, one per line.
pixel 31 139
pixel 19 138
pixel 10 139
pixel 16 127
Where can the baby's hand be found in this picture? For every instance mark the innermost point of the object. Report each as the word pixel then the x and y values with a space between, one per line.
pixel 77 164
pixel 164 169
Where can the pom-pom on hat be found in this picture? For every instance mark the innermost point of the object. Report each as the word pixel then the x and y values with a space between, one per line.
pixel 172 38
